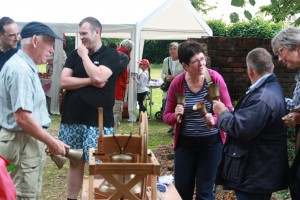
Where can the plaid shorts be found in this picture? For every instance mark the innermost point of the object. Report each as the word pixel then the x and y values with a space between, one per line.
pixel 79 136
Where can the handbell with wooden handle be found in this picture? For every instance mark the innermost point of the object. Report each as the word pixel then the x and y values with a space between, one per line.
pixel 181 101
pixel 213 92
pixel 201 108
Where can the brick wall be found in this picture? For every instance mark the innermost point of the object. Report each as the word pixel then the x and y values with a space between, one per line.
pixel 228 57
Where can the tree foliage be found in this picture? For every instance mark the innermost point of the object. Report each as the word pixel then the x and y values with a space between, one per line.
pixel 280 10
pixel 201 5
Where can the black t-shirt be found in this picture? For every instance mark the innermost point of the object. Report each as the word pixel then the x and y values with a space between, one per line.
pixel 81 105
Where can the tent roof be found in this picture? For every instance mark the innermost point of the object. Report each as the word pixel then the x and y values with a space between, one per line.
pixel 176 19
pixel 156 19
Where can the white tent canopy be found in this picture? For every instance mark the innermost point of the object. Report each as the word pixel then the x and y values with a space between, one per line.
pixel 138 20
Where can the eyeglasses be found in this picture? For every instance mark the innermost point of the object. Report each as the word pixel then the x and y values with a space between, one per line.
pixel 198 61
pixel 13 36
pixel 279 51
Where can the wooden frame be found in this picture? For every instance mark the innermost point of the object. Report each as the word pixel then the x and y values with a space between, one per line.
pixel 145 167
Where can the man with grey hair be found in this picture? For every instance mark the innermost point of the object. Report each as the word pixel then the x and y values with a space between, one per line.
pixel 24 117
pixel 255 161
pixel 121 85
pixel 9 38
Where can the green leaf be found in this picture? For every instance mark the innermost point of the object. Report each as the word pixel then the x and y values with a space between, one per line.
pixel 274 2
pixel 248 15
pixel 238 3
pixel 252 2
pixel 234 17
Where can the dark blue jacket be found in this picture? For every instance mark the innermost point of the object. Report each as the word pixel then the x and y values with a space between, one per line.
pixel 4 56
pixel 255 153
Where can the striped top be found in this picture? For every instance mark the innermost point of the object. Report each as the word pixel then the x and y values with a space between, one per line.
pixel 192 123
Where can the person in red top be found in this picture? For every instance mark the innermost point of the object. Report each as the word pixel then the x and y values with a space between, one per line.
pixel 7 187
pixel 124 52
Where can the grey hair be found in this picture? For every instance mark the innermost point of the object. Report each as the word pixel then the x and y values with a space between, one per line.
pixel 173 44
pixel 27 41
pixel 288 38
pixel 260 60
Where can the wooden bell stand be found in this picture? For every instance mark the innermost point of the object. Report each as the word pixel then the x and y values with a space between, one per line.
pixel 145 167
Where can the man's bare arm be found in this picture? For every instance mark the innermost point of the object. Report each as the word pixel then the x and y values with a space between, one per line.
pixel 27 122
pixel 97 74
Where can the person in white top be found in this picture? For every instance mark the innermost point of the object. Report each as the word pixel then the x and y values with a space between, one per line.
pixel 171 68
pixel 142 81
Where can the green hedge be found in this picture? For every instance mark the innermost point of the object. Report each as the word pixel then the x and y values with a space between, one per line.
pixel 256 28
pixel 156 50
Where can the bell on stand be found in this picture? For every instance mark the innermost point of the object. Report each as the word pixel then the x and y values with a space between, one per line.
pixel 105 186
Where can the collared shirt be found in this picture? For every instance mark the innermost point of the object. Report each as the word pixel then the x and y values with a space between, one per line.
pixel 21 87
pixel 257 83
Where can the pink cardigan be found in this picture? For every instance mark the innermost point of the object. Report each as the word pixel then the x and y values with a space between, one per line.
pixel 177 86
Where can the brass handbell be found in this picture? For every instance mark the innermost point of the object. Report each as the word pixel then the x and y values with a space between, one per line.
pixel 213 92
pixel 181 101
pixel 105 186
pixel 74 155
pixel 201 108
pixel 59 160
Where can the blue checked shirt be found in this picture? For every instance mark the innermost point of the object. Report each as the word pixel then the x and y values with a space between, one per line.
pixel 292 103
pixel 20 87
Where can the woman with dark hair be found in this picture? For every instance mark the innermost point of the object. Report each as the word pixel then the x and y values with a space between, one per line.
pixel 197 142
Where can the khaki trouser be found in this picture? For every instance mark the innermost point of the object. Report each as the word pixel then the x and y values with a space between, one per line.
pixel 118 110
pixel 28 154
